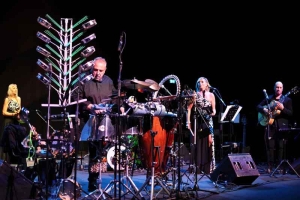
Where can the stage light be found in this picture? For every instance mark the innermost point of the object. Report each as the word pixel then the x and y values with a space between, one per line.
pixel 88 51
pixel 89 24
pixel 43 37
pixel 43 65
pixel 87 66
pixel 43 51
pixel 43 79
pixel 44 22
pixel 88 38
pixel 87 78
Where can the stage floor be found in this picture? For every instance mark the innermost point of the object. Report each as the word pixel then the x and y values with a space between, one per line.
pixel 264 186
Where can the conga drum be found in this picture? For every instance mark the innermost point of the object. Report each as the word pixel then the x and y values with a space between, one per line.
pixel 170 124
pixel 162 139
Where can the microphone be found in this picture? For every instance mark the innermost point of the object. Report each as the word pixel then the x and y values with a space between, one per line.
pixel 120 42
pixel 184 91
pixel 265 93
pixel 213 88
pixel 59 116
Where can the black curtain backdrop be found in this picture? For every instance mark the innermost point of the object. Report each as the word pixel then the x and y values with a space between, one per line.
pixel 241 49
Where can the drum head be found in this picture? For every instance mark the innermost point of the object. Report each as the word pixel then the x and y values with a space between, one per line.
pixel 111 158
pixel 132 131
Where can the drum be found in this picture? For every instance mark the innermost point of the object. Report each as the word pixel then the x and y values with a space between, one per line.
pixel 111 158
pixel 66 190
pixel 131 125
pixel 164 128
pixel 58 144
pixel 98 127
pixel 153 108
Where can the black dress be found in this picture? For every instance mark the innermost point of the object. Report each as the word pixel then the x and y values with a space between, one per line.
pixel 205 156
pixel 12 107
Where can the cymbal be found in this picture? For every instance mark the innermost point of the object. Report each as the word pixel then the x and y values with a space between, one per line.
pixel 135 84
pixel 154 85
pixel 165 98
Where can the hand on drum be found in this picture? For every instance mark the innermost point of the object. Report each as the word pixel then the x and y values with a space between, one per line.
pixel 97 112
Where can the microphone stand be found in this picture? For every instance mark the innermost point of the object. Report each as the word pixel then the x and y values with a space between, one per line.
pixel 48 125
pixel 270 115
pixel 222 104
pixel 117 156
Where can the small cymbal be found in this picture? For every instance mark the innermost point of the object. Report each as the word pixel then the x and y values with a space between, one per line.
pixel 165 98
pixel 135 84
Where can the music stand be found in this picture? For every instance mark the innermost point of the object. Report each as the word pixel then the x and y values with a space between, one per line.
pixel 231 115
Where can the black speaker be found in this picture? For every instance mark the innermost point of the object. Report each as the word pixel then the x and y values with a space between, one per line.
pixel 14 185
pixel 239 169
pixel 296 166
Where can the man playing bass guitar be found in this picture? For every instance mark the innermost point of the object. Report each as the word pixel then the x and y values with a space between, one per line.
pixel 279 115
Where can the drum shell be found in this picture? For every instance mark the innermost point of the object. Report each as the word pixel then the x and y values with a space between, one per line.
pixel 164 137
pixel 131 125
pixel 98 127
pixel 153 108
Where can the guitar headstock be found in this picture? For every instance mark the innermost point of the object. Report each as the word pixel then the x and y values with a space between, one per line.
pixel 295 89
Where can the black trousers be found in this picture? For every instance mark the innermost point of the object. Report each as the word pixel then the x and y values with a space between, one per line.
pixel 274 149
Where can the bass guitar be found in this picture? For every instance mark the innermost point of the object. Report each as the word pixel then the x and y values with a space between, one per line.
pixel 268 119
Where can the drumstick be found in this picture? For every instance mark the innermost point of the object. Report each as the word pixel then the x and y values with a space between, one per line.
pixel 191 131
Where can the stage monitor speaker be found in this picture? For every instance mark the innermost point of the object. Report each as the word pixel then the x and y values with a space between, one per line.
pixel 239 169
pixel 14 185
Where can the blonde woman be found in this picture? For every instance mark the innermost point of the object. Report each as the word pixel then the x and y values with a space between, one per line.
pixel 11 109
pixel 12 105
pixel 205 106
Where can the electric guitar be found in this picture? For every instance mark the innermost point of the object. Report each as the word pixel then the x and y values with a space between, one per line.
pixel 268 119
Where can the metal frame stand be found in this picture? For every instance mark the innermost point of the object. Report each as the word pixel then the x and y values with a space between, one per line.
pixel 152 177
pixel 99 180
pixel 284 161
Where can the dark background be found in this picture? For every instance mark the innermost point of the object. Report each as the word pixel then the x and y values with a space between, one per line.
pixel 241 49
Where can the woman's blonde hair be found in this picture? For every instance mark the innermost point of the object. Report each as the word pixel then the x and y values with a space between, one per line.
pixel 9 91
pixel 198 84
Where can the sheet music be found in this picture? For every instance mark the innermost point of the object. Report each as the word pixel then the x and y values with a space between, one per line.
pixel 231 111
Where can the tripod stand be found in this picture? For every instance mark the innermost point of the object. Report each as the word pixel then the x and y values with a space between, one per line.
pixel 99 180
pixel 153 177
pixel 127 178
pixel 284 160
